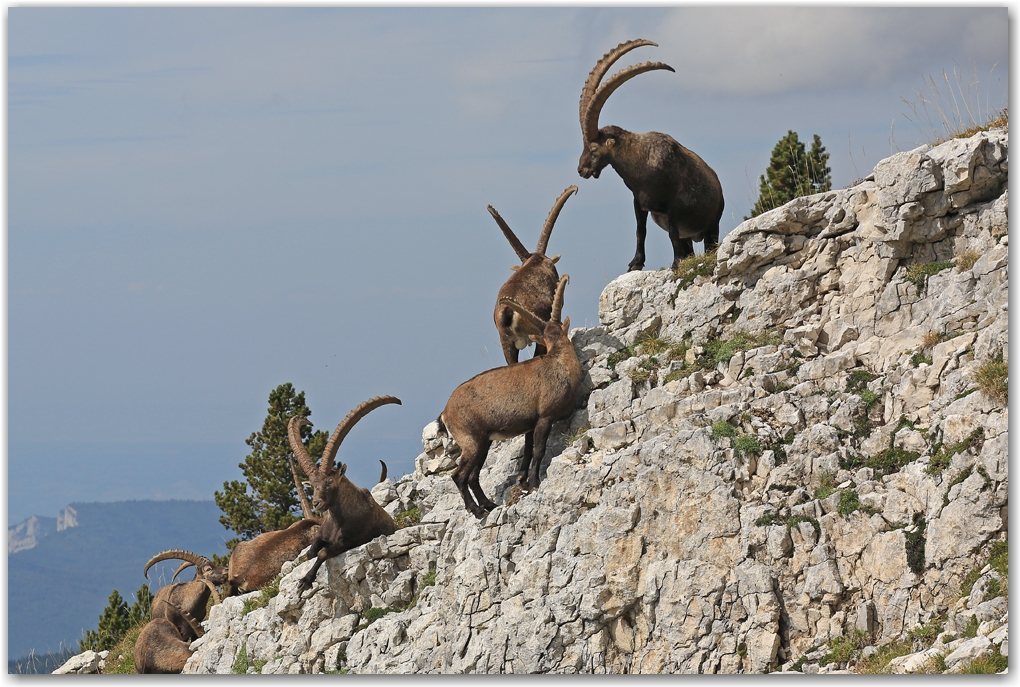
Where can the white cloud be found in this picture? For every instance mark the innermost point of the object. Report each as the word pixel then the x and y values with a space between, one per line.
pixel 773 50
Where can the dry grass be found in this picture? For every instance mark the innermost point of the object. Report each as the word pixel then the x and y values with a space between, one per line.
pixel 993 379
pixel 952 107
pixel 965 260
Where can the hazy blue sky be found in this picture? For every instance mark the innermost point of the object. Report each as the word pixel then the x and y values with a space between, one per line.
pixel 205 203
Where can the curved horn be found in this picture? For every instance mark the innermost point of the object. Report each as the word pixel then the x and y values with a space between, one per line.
pixel 347 424
pixel 306 508
pixel 382 476
pixel 557 304
pixel 599 70
pixel 184 566
pixel 297 446
pixel 515 242
pixel 590 121
pixel 532 319
pixel 543 239
pixel 176 554
pixel 212 588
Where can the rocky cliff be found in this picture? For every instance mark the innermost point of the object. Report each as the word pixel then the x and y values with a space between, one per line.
pixel 800 447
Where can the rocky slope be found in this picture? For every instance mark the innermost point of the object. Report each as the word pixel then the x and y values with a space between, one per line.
pixel 802 450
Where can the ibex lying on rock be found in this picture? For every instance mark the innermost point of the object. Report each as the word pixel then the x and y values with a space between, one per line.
pixel 507 401
pixel 352 517
pixel 532 286
pixel 673 183
pixel 183 603
pixel 160 649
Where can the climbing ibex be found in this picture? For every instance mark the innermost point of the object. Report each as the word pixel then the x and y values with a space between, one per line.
pixel 671 182
pixel 532 286
pixel 159 648
pixel 351 515
pixel 518 399
pixel 183 603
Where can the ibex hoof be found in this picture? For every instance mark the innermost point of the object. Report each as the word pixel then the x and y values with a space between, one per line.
pixel 635 268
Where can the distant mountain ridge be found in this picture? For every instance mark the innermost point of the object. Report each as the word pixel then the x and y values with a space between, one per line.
pixel 62 570
pixel 27 533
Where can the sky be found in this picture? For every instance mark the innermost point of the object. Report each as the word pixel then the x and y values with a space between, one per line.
pixel 203 204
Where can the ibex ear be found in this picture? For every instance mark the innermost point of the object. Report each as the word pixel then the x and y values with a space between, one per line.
pixel 554 258
pixel 515 267
pixel 536 338
pixel 610 142
pixel 342 470
pixel 566 326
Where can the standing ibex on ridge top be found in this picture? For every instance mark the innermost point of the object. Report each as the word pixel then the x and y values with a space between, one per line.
pixel 352 516
pixel 517 399
pixel 183 603
pixel 532 286
pixel 681 192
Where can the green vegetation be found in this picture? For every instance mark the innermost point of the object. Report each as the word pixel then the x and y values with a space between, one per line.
pixel 273 502
pixel 747 445
pixel 797 519
pixel 986 665
pixel 407 518
pixel 692 267
pixel 826 485
pixel 858 380
pixel 992 378
pixel 918 639
pixel 943 456
pixel 580 432
pixel 850 502
pixel 886 462
pixel 918 358
pixel 722 428
pixel 116 619
pixel 918 273
pixel 241 662
pixel 915 545
pixel 371 614
pixel 843 650
pixel 429 579
pixel 262 600
pixel 721 350
pixel 792 172
pixel 964 474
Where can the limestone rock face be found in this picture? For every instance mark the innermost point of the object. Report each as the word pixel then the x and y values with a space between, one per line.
pixel 850 490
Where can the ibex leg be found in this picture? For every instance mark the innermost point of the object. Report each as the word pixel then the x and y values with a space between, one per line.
pixel 541 435
pixel 470 455
pixel 642 228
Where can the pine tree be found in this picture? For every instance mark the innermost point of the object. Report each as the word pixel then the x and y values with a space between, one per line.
pixel 272 503
pixel 139 613
pixel 792 172
pixel 113 623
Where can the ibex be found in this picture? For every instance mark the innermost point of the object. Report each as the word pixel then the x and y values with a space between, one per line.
pixel 508 401
pixel 159 648
pixel 671 182
pixel 183 603
pixel 532 286
pixel 351 516
pixel 256 563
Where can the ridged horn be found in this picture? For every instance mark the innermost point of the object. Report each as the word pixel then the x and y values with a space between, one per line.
pixel 536 324
pixel 598 71
pixel 590 122
pixel 297 446
pixel 184 566
pixel 557 304
pixel 176 554
pixel 347 424
pixel 515 242
pixel 306 508
pixel 212 588
pixel 382 475
pixel 543 239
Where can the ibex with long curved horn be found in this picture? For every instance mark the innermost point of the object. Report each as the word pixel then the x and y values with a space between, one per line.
pixel 532 286
pixel 183 603
pixel 505 402
pixel 669 181
pixel 352 516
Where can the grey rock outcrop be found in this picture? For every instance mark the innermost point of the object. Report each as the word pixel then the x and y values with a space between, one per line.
pixel 803 462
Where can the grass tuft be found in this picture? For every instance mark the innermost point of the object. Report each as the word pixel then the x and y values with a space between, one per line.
pixel 407 518
pixel 918 273
pixel 692 267
pixel 262 600
pixel 992 378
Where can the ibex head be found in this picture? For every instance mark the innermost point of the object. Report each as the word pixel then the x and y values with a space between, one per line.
pixel 599 143
pixel 326 477
pixel 204 568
